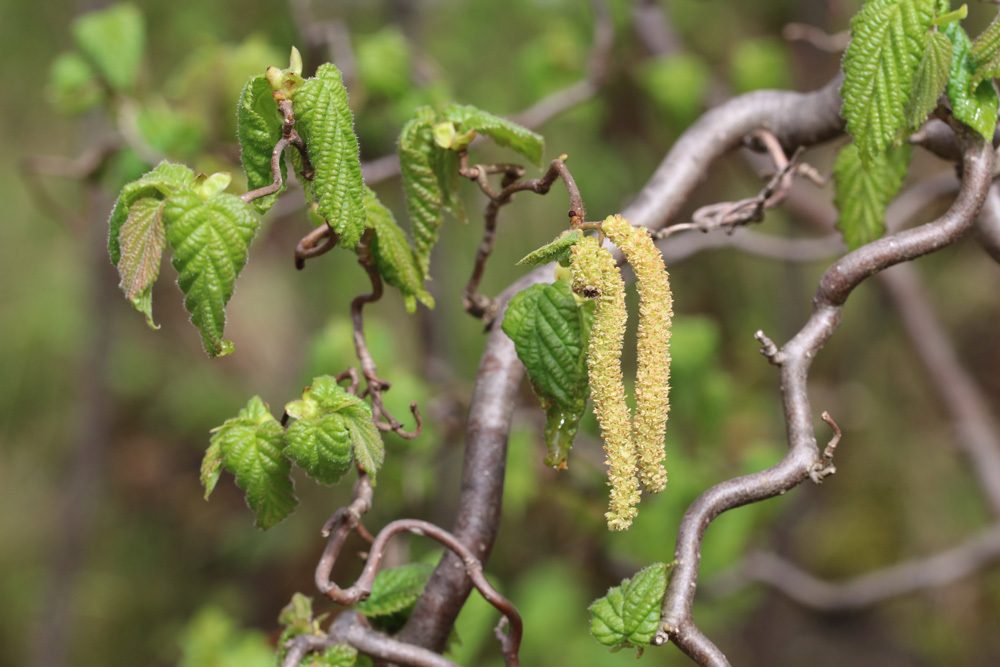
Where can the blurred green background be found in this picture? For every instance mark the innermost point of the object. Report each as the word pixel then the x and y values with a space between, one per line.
pixel 108 553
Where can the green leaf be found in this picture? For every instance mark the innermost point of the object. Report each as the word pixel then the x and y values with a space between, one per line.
pixel 113 40
pixel 141 240
pixel 984 55
pixel 324 119
pixel 320 450
pixel 210 239
pixel 975 106
pixel 251 446
pixel 888 39
pixel 338 655
pixel 548 329
pixel 163 181
pixel 630 613
pixel 502 131
pixel 383 62
pixel 211 468
pixel 932 77
pixel 419 159
pixel 396 590
pixel 394 257
pixel 73 84
pixel 258 128
pixel 556 250
pixel 169 131
pixel 862 192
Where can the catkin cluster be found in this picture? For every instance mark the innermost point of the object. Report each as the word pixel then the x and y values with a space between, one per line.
pixel 595 276
pixel 634 447
pixel 652 382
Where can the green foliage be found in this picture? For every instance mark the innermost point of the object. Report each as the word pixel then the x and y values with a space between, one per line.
pixel 888 39
pixel 862 191
pixel 759 63
pixel 429 188
pixel 325 412
pixel 251 447
pixel 556 250
pixel 258 128
pixel 975 106
pixel 383 60
pixel 210 239
pixel 394 592
pixel 73 85
pixel 338 655
pixel 163 181
pixel 468 119
pixel 932 77
pixel 141 240
pixel 212 639
pixel 629 614
pixel 296 619
pixel 984 56
pixel 324 119
pixel 549 331
pixel 394 257
pixel 169 131
pixel 663 79
pixel 113 40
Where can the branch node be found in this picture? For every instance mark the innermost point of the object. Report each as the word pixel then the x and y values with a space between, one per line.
pixel 824 467
pixel 769 349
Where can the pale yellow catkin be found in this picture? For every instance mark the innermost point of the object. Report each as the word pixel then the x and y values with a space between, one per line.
pixel 595 276
pixel 652 383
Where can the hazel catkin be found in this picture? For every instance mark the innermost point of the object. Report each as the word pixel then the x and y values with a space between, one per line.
pixel 652 385
pixel 595 276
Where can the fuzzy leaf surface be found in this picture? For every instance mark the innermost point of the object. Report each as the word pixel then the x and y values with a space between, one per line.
pixel 888 39
pixel 210 239
pixel 502 131
pixel 141 239
pixel 251 446
pixel 165 179
pixel 258 128
pixel 548 328
pixel 862 192
pixel 420 161
pixel 394 257
pixel 396 590
pixel 975 106
pixel 325 398
pixel 984 54
pixel 113 40
pixel 556 250
pixel 324 119
pixel 630 613
pixel 932 77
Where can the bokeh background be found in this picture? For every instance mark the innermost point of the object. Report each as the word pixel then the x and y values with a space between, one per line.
pixel 110 556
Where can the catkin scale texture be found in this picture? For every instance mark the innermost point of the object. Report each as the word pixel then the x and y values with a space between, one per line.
pixel 596 276
pixel 652 386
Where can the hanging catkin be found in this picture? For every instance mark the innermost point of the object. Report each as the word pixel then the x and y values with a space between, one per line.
pixel 652 384
pixel 595 276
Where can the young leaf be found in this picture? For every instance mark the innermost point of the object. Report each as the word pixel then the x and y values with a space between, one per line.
pixel 396 590
pixel 984 55
pixel 975 106
pixel 113 40
pixel 251 448
pixel 630 613
pixel 556 250
pixel 502 131
pixel 164 180
pixel 297 620
pixel 73 85
pixel 394 258
pixel 321 446
pixel 419 158
pixel 324 119
pixel 322 399
pixel 210 239
pixel 211 468
pixel 258 128
pixel 548 329
pixel 932 77
pixel 338 655
pixel 141 240
pixel 888 39
pixel 862 191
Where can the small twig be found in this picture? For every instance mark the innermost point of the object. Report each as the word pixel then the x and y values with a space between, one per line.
pixel 768 348
pixel 816 37
pixel 479 305
pixel 317 242
pixel 824 467
pixel 289 137
pixel 347 519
